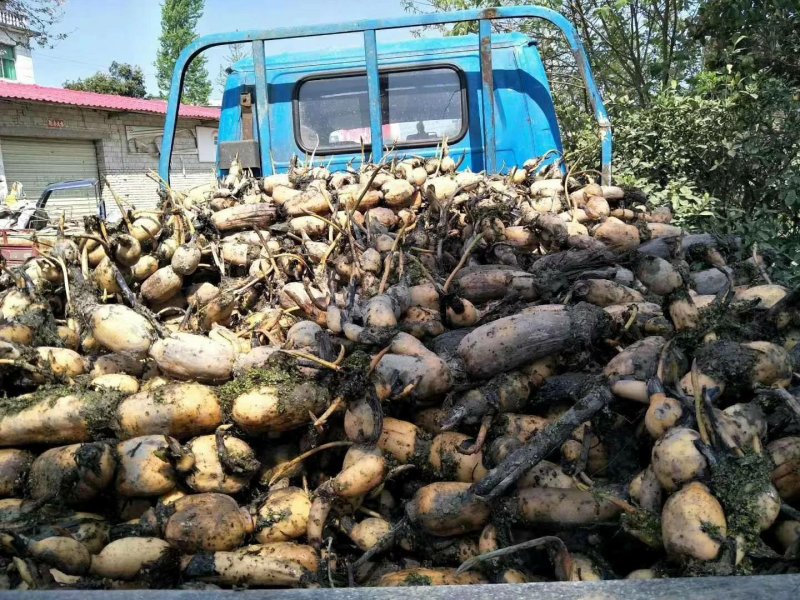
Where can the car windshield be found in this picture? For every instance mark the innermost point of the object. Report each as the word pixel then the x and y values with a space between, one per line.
pixel 419 108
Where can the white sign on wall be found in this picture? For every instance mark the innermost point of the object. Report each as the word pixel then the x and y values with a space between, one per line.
pixel 207 144
pixel 147 140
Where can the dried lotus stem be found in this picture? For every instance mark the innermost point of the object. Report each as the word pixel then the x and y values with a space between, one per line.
pixel 218 260
pixel 467 251
pixel 387 269
pixel 760 264
pixel 66 282
pixel 287 467
pixel 21 364
pixel 547 540
pixel 312 358
pixel 118 202
pixel 335 406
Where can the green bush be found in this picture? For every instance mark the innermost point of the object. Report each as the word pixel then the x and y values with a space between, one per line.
pixel 724 154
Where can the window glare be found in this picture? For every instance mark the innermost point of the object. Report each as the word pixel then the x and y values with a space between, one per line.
pixel 419 108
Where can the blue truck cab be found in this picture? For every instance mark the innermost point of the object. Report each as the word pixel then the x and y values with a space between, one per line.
pixel 430 90
pixel 488 95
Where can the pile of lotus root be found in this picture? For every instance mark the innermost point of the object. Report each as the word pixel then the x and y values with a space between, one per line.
pixel 397 375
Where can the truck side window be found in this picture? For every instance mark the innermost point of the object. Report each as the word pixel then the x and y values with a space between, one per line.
pixel 420 108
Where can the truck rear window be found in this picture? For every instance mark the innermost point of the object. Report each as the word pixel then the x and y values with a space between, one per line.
pixel 420 107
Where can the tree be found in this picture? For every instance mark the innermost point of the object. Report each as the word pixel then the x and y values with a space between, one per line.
pixel 122 79
pixel 39 17
pixel 236 52
pixel 751 36
pixel 178 22
pixel 635 47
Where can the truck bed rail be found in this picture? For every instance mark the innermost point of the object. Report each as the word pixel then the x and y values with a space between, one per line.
pixel 701 588
pixel 368 28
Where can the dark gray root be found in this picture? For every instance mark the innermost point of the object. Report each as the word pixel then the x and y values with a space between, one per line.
pixel 515 465
pixel 130 298
pixel 788 398
pixel 555 273
pixel 565 387
pixel 377 414
pixel 473 408
pixel 532 336
pixel 200 565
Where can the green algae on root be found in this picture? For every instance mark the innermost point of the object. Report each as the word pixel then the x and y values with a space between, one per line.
pixel 284 377
pixel 43 324
pixel 351 381
pixel 44 393
pixel 98 410
pixel 644 526
pixel 415 579
pixel 738 483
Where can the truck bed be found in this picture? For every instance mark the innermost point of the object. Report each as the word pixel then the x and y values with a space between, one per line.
pixel 701 588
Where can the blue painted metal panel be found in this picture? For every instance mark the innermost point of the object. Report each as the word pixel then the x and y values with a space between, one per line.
pixel 230 120
pixel 286 78
pixel 558 20
pixel 521 89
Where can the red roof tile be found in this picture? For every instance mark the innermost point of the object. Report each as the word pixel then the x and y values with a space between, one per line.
pixel 37 93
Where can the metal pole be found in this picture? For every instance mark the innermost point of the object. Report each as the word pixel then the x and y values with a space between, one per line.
pixel 605 152
pixel 262 106
pixel 374 90
pixel 368 27
pixel 487 95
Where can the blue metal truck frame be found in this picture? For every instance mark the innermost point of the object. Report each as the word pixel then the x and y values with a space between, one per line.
pixel 430 90
pixel 487 102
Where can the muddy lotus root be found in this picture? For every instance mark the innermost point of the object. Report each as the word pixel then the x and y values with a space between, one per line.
pixel 395 375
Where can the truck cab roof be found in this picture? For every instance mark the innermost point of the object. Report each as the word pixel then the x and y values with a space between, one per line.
pixel 484 97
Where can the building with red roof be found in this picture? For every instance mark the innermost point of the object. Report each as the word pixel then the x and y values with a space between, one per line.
pixel 46 95
pixel 49 135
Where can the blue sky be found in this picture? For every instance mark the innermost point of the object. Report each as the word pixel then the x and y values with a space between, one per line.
pixel 100 31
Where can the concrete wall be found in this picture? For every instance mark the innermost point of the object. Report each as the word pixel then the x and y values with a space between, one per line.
pixel 125 170
pixel 24 60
